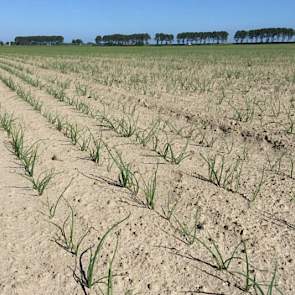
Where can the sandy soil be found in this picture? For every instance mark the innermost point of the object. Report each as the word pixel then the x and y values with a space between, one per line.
pixel 153 256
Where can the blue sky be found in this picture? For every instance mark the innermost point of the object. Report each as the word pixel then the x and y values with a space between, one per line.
pixel 87 18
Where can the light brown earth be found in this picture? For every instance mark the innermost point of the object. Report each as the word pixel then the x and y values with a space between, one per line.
pixel 153 255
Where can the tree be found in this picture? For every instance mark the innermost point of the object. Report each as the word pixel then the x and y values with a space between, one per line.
pixel 240 36
pixel 98 40
pixel 77 41
pixel 161 38
pixel 170 38
pixel 157 38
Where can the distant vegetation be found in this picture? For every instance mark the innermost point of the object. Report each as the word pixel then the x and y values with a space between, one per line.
pixel 202 37
pixel 266 35
pixel 162 38
pixel 77 41
pixel 166 38
pixel 120 39
pixel 39 40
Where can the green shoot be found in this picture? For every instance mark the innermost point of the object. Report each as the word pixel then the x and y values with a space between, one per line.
pixel 187 232
pixel 150 190
pixel 17 141
pixel 66 234
pixel 168 154
pixel 86 276
pixel 42 181
pixel 126 177
pixel 222 175
pixel 6 122
pixel 52 208
pixel 28 158
pixel 169 209
pixel 96 150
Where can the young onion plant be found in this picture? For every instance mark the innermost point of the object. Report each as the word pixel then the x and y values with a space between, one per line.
pixel 149 189
pixel 251 281
pixel 6 122
pixel 126 177
pixel 27 155
pixel 224 174
pixel 29 158
pixel 95 150
pixel 41 182
pixel 167 152
pixel 66 236
pixel 87 275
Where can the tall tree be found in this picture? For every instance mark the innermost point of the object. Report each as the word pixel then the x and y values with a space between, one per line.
pixel 98 40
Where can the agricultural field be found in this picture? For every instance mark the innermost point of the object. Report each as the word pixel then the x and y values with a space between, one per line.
pixel 147 170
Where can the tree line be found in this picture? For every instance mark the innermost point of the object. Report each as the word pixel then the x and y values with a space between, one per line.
pixel 120 39
pixel 39 40
pixel 266 35
pixel 163 38
pixel 166 38
pixel 202 37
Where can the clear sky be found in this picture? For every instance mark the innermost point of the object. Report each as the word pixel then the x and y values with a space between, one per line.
pixel 87 18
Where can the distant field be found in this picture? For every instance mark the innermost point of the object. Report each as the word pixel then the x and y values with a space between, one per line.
pixel 239 50
pixel 188 152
